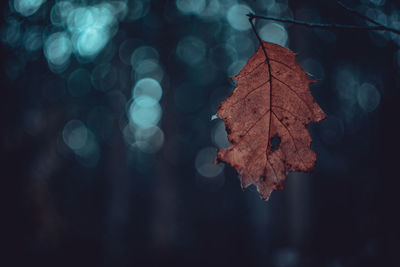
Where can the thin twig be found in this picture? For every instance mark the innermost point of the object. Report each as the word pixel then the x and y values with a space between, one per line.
pixel 355 12
pixel 326 26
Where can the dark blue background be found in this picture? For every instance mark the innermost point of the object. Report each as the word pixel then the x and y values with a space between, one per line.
pixel 138 209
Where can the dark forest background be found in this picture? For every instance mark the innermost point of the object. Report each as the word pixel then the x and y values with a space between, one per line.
pixel 108 147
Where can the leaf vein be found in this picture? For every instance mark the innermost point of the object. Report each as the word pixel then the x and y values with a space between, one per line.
pixel 284 64
pixel 291 136
pixel 247 73
pixel 302 100
pixel 254 124
pixel 291 113
pixel 252 90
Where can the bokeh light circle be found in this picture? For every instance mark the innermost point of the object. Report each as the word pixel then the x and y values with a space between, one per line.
pixel 205 163
pixel 274 33
pixel 237 18
pixel 368 97
pixel 142 53
pixel 149 140
pixel 75 134
pixel 191 6
pixel 58 48
pixel 148 87
pixel 145 111
pixel 191 50
pixel 104 77
pixel 91 42
pixel 219 135
pixel 27 7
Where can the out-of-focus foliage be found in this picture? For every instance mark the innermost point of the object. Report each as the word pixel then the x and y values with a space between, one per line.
pixel 107 109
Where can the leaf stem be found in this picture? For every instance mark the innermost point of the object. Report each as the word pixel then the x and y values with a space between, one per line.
pixel 258 37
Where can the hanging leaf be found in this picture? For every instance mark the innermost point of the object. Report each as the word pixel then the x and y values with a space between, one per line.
pixel 266 118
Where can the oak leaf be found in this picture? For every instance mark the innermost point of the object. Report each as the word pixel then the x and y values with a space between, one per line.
pixel 271 103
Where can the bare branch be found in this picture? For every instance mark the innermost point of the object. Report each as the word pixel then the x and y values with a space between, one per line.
pixel 355 12
pixel 378 27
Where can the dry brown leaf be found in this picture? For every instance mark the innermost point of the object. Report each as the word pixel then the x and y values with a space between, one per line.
pixel 266 104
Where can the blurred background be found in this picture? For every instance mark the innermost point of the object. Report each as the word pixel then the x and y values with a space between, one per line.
pixel 108 146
